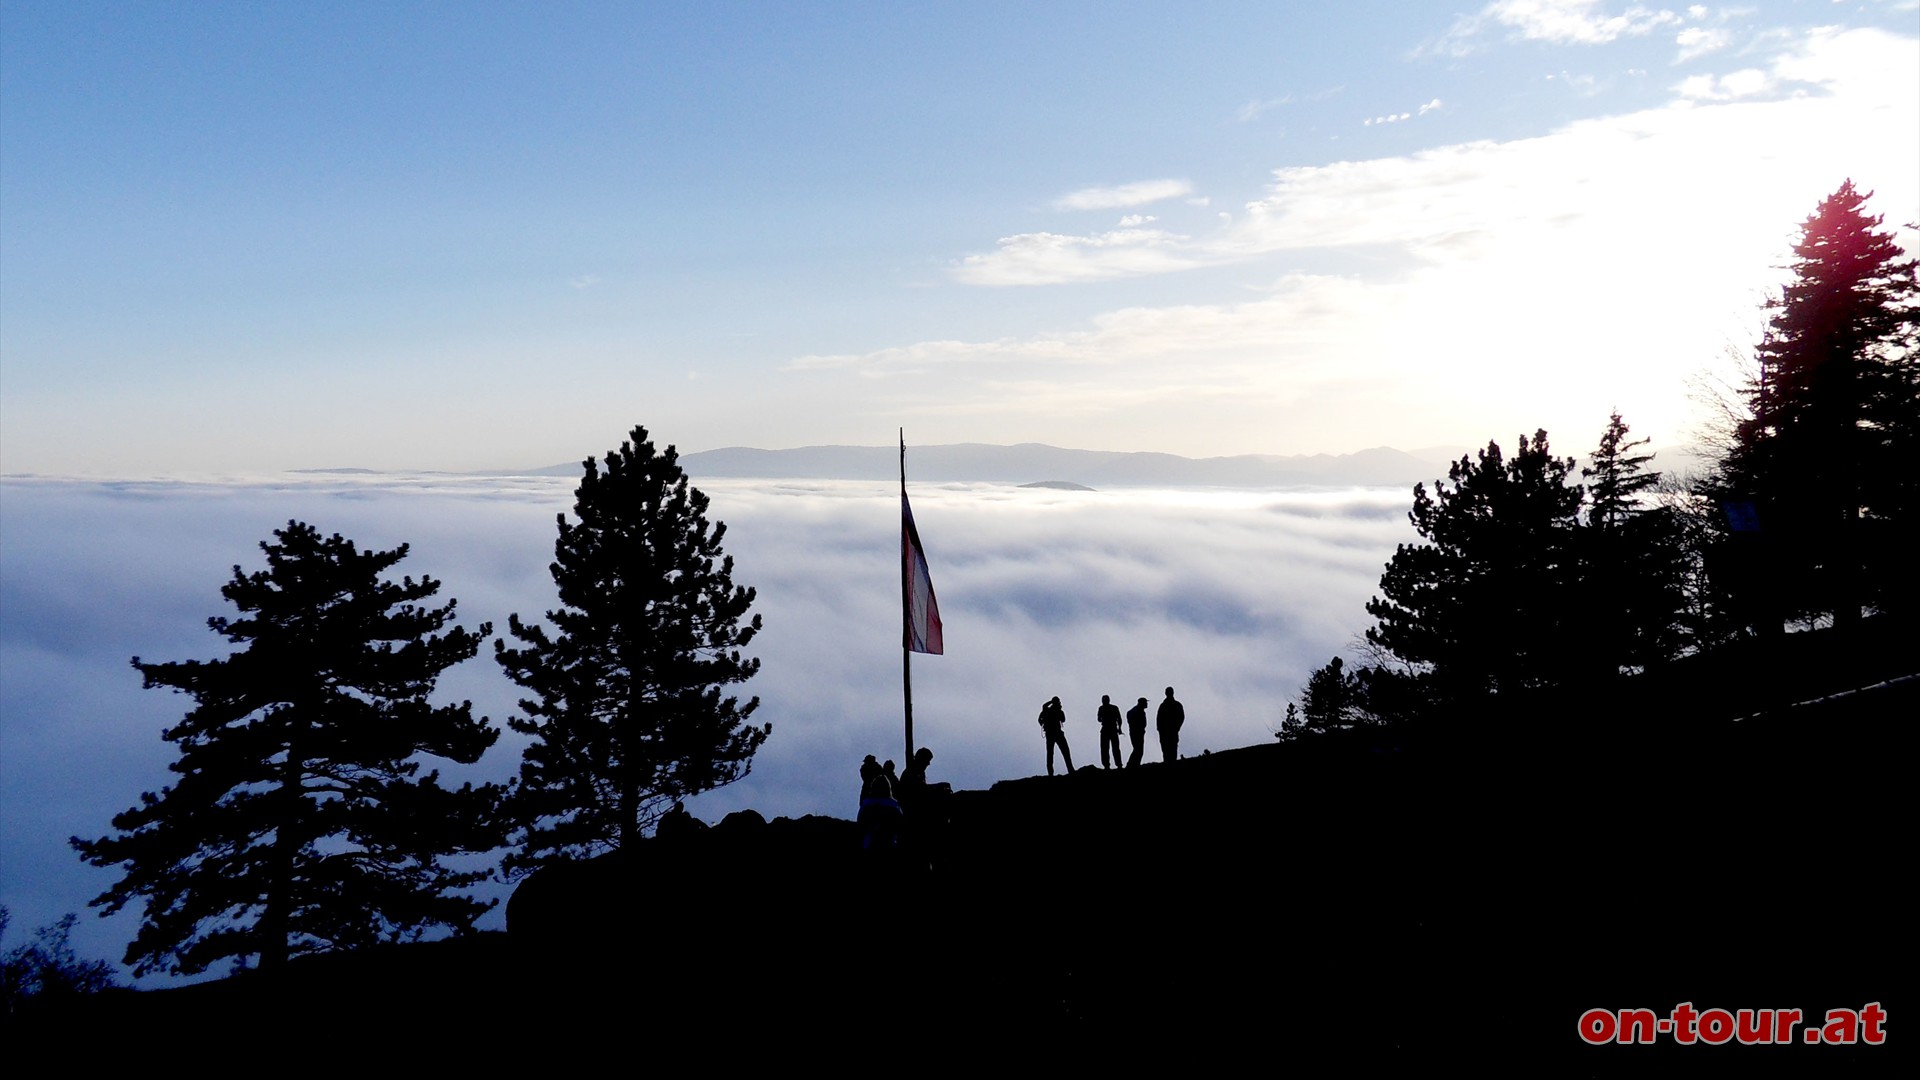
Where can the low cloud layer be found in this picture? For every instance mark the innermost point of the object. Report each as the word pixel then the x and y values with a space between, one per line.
pixel 1230 597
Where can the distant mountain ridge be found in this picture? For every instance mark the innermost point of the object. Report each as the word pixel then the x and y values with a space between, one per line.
pixel 1028 463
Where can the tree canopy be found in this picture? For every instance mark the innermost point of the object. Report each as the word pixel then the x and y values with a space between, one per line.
pixel 1515 590
pixel 627 712
pixel 1481 605
pixel 1338 700
pixel 47 967
pixel 1825 455
pixel 300 822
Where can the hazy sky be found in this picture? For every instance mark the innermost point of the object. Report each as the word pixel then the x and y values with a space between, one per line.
pixel 461 236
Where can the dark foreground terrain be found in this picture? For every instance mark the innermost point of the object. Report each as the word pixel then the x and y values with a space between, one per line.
pixel 1466 894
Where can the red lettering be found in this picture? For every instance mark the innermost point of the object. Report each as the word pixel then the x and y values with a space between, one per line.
pixel 1637 1025
pixel 1871 1018
pixel 1683 1023
pixel 1596 1026
pixel 1716 1026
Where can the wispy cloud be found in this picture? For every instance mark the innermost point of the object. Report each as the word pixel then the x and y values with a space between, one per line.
pixel 1500 261
pixel 1395 118
pixel 1254 110
pixel 1557 22
pixel 1299 308
pixel 1429 201
pixel 1055 258
pixel 1138 193
pixel 1698 41
pixel 1582 84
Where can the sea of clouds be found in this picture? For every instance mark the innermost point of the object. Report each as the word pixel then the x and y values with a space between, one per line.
pixel 1231 597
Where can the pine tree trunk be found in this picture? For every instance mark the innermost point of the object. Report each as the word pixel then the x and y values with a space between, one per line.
pixel 629 776
pixel 276 922
pixel 1846 609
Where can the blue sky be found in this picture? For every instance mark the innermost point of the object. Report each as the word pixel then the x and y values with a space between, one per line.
pixel 242 237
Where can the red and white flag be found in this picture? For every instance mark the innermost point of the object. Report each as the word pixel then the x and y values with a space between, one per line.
pixel 921 610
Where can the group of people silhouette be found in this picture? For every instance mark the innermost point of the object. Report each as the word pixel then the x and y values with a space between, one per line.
pixel 1167 720
pixel 887 798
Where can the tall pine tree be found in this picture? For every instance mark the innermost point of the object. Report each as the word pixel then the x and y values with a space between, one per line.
pixel 300 822
pixel 628 712
pixel 1633 563
pixel 1618 477
pixel 1826 454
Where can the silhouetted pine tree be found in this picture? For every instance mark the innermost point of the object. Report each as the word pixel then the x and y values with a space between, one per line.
pixel 1291 726
pixel 1634 562
pixel 1827 454
pixel 1331 700
pixel 627 712
pixel 1485 604
pixel 1617 478
pixel 300 822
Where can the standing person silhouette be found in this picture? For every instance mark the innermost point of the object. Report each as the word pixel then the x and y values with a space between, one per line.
pixel 1137 731
pixel 1109 731
pixel 1167 722
pixel 913 782
pixel 1053 721
pixel 880 815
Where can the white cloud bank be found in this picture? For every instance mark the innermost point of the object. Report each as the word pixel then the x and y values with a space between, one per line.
pixel 1732 86
pixel 1231 598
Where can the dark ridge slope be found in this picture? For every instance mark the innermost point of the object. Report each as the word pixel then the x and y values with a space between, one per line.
pixel 1465 895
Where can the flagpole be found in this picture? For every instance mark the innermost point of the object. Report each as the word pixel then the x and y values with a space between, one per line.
pixel 906 610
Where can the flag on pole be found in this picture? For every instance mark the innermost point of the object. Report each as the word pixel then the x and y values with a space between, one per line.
pixel 921 610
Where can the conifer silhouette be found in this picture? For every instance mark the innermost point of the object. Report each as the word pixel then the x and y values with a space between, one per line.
pixel 1482 605
pixel 1826 454
pixel 627 712
pixel 300 822
pixel 1634 562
